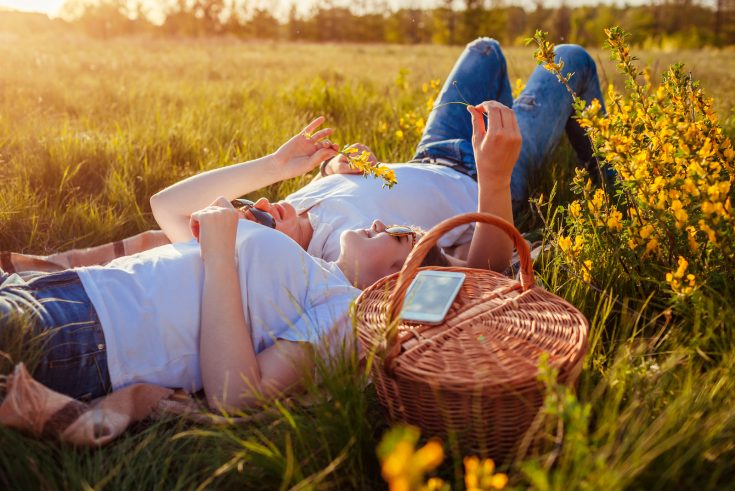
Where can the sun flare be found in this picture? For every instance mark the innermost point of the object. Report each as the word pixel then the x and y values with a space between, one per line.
pixel 45 6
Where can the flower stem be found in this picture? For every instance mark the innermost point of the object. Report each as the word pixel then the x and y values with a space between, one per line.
pixel 451 102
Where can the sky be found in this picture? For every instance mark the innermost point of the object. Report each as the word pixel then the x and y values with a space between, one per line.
pixel 45 6
pixel 52 7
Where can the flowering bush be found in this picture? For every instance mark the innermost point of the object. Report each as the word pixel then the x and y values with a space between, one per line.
pixel 669 217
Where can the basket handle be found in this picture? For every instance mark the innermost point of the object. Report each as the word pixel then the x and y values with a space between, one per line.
pixel 413 262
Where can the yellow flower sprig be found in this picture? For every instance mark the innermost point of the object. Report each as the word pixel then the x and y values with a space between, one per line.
pixel 404 467
pixel 479 475
pixel 362 163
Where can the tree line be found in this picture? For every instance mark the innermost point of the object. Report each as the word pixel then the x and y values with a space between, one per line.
pixel 663 23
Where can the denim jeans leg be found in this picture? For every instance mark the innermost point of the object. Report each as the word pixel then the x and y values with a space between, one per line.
pixel 74 360
pixel 543 111
pixel 480 74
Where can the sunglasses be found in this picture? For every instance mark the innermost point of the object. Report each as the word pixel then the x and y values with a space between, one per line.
pixel 402 231
pixel 262 217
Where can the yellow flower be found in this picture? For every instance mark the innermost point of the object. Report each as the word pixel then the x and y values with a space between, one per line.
pixel 692 238
pixel 403 467
pixel 518 87
pixel 598 199
pixel 651 246
pixel 676 279
pixel 682 266
pixel 420 124
pixel 646 231
pixel 395 465
pixel 681 217
pixel 399 135
pixel 586 271
pixel 479 475
pixel 711 236
pixel 578 244
pixel 362 163
pixel 565 243
pixel 435 484
pixel 429 456
pixel 575 209
pixel 614 221
pixel 706 149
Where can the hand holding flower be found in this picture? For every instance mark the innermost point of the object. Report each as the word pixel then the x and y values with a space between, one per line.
pixel 306 150
pixel 496 146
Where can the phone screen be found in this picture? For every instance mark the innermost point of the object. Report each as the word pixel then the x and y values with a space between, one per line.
pixel 430 294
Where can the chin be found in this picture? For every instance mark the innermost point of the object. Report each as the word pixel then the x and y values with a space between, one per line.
pixel 345 238
pixel 350 243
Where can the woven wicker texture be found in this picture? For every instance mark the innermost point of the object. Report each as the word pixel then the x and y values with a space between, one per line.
pixel 475 375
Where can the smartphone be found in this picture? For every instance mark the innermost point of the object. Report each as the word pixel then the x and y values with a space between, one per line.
pixel 430 295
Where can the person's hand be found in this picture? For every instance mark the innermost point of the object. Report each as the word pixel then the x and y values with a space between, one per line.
pixel 498 146
pixel 306 150
pixel 339 164
pixel 215 227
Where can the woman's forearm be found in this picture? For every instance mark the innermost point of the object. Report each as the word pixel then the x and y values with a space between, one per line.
pixel 496 146
pixel 230 370
pixel 491 248
pixel 173 206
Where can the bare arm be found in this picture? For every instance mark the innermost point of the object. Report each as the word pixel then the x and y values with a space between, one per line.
pixel 173 206
pixel 233 375
pixel 496 151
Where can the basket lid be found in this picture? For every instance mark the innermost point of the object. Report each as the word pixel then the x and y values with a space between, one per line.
pixel 493 335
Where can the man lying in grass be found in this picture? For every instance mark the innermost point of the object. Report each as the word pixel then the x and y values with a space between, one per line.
pixel 232 307
pixel 439 182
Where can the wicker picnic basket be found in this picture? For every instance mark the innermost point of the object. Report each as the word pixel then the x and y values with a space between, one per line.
pixel 474 376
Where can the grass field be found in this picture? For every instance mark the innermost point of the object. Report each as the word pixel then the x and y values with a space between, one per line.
pixel 90 129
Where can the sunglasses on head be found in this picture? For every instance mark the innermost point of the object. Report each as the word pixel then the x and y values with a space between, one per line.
pixel 262 217
pixel 402 231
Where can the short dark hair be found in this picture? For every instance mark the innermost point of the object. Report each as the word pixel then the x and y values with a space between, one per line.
pixel 435 257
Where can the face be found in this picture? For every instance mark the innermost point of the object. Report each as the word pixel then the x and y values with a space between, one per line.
pixel 367 255
pixel 287 220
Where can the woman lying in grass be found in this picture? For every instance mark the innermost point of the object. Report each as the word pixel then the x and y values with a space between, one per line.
pixel 238 309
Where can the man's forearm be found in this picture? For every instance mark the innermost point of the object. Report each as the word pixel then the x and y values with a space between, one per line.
pixel 172 206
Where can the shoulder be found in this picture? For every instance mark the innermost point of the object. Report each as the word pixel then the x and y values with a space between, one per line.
pixel 268 248
pixel 255 235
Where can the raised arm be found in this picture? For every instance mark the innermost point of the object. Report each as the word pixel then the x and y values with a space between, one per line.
pixel 233 375
pixel 173 206
pixel 496 150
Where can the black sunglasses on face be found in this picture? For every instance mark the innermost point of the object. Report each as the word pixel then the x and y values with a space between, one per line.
pixel 262 217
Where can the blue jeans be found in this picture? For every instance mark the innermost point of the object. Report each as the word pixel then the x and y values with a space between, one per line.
pixel 56 307
pixel 543 110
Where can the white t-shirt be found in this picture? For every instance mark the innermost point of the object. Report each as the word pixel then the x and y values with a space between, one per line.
pixel 149 304
pixel 425 195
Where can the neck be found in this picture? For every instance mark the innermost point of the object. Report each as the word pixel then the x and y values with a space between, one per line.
pixel 304 230
pixel 349 272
